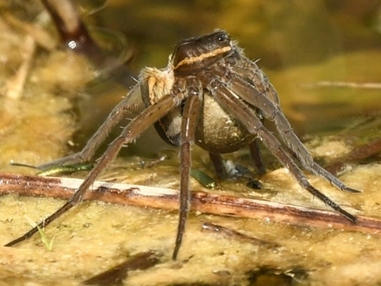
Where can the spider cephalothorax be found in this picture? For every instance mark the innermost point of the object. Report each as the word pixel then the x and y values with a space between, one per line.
pixel 210 94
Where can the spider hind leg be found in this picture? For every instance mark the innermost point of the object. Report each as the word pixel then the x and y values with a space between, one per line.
pixel 247 116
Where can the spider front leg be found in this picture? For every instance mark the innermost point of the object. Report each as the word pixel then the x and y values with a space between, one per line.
pixel 272 112
pixel 190 116
pixel 131 102
pixel 247 116
pixel 136 127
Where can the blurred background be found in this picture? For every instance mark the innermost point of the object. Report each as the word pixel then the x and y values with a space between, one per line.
pixel 322 57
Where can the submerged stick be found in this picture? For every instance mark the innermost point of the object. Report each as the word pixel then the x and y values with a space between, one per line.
pixel 162 198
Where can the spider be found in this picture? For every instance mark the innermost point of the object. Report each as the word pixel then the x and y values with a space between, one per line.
pixel 210 94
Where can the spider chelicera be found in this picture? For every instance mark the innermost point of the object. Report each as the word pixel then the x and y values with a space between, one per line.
pixel 210 94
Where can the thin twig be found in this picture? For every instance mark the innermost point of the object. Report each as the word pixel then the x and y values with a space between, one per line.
pixel 343 84
pixel 162 198
pixel 39 35
pixel 15 85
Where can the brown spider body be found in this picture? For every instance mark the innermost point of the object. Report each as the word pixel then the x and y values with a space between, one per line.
pixel 212 95
pixel 195 62
pixel 192 66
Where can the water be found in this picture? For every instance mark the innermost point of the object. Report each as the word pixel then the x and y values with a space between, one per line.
pixel 299 44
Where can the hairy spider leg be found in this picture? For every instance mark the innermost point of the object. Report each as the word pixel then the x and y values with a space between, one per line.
pixel 130 102
pixel 246 115
pixel 190 116
pixel 272 112
pixel 137 126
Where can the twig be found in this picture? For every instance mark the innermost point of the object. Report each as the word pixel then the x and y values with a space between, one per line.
pixel 39 35
pixel 162 198
pixel 15 85
pixel 366 85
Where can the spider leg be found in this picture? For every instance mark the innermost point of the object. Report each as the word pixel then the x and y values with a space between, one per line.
pixel 218 165
pixel 189 122
pixel 255 153
pixel 246 115
pixel 137 126
pixel 130 102
pixel 252 74
pixel 273 112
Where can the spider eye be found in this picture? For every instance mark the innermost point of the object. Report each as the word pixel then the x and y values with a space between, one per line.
pixel 223 37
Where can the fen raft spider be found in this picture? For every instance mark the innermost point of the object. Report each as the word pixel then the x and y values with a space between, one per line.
pixel 210 94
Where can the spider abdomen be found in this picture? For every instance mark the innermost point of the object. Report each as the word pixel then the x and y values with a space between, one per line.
pixel 217 131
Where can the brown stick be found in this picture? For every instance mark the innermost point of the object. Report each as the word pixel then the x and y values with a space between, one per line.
pixel 162 198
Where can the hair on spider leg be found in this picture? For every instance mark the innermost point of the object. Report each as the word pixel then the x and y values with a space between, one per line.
pixel 211 95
